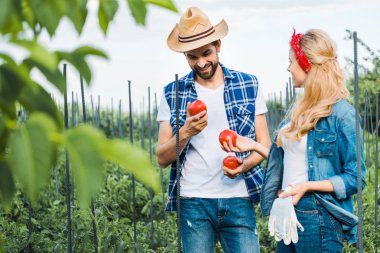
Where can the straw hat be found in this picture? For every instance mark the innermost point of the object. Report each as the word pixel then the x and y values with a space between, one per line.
pixel 195 30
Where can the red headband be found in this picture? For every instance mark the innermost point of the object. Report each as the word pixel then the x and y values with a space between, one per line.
pixel 303 61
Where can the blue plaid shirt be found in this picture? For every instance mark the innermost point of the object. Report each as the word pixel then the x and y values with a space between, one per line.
pixel 240 93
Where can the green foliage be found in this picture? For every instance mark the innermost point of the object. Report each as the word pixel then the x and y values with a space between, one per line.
pixel 31 153
pixel 106 12
pixel 84 146
pixel 113 217
pixel 7 187
pixel 29 150
pixel 89 149
pixel 138 10
pixel 167 4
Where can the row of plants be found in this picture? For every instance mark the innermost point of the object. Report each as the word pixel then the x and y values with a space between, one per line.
pixel 47 230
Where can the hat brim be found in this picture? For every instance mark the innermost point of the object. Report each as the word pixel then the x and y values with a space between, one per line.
pixel 221 30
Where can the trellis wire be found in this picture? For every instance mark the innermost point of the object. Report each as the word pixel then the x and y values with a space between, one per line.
pixel 133 177
pixel 120 134
pixel 151 160
pixel 178 203
pixel 357 126
pixel 69 235
pixel 376 170
pixel 92 201
pixel 74 108
pixel 161 169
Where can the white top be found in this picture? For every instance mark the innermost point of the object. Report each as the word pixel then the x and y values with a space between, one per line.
pixel 202 174
pixel 295 161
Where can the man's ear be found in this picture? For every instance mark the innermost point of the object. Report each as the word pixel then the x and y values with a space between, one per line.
pixel 218 46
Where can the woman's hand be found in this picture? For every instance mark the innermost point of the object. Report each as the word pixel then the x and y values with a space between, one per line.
pixel 245 144
pixel 296 192
pixel 242 144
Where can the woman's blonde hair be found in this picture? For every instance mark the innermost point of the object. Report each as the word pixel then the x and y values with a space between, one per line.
pixel 324 85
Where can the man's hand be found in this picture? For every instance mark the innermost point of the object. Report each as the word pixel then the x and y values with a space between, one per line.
pixel 194 124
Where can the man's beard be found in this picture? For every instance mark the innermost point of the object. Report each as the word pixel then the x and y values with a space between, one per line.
pixel 206 76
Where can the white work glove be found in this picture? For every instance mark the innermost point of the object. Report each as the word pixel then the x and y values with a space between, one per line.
pixel 283 221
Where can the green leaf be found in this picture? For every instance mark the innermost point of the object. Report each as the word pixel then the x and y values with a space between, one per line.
pixel 77 59
pixel 106 12
pixel 2 124
pixel 48 13
pixel 138 10
pixel 54 76
pixel 167 4
pixel 89 149
pixel 27 13
pixel 79 63
pixel 10 21
pixel 35 99
pixel 39 53
pixel 7 58
pixel 134 160
pixel 6 8
pixel 77 13
pixel 11 84
pixel 84 145
pixel 4 132
pixel 15 84
pixel 7 186
pixel 21 71
pixel 86 50
pixel 32 152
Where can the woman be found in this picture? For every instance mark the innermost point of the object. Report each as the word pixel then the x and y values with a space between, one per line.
pixel 314 151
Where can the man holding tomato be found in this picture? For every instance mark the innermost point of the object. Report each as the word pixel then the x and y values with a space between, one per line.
pixel 215 202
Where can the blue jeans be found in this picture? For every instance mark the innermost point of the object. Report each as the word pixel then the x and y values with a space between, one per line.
pixel 323 233
pixel 230 220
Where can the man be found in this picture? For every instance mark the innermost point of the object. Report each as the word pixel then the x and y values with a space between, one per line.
pixel 215 203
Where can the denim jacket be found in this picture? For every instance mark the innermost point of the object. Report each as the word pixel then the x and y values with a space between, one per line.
pixel 331 155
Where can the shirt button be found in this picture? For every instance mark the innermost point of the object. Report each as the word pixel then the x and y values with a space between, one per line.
pixel 311 166
pixel 323 139
pixel 309 147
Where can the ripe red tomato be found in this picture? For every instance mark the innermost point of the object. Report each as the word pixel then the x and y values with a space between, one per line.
pixel 227 135
pixel 196 107
pixel 231 162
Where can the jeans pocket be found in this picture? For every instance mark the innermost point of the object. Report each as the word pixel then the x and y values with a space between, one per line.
pixel 306 211
pixel 307 205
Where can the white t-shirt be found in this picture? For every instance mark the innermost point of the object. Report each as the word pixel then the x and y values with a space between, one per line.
pixel 202 174
pixel 295 161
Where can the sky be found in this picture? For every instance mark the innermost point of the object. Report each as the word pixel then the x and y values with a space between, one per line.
pixel 257 43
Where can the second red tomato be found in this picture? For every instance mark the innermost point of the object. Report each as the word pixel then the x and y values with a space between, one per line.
pixel 231 162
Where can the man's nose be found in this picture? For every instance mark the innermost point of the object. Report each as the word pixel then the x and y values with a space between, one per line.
pixel 201 63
